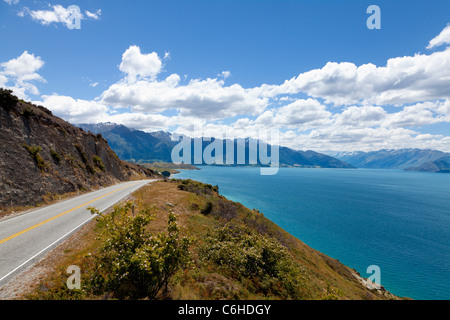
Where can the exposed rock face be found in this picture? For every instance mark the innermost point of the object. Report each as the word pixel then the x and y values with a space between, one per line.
pixel 42 155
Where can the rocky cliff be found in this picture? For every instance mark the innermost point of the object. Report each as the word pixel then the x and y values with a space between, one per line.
pixel 42 156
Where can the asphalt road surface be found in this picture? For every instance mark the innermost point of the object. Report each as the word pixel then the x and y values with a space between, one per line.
pixel 26 238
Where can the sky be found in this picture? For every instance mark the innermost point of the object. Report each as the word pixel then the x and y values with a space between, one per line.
pixel 314 70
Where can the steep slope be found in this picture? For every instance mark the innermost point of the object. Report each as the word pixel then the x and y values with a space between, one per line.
pixel 135 145
pixel 43 156
pixel 390 159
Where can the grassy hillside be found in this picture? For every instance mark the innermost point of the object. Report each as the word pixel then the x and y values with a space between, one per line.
pixel 233 253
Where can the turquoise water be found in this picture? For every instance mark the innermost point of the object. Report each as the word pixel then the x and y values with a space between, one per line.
pixel 397 220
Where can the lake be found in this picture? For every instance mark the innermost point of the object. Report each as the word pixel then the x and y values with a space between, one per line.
pixel 396 220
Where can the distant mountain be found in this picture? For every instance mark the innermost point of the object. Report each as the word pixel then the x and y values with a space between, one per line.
pixel 391 159
pixel 134 145
pixel 440 165
pixel 43 156
pixel 139 146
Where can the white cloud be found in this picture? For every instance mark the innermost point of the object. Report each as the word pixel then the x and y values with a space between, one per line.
pixel 94 15
pixel 137 65
pixel 224 74
pixel 442 38
pixel 11 1
pixel 59 14
pixel 75 110
pixel 21 71
pixel 365 116
pixel 208 98
pixel 141 121
pixel 403 80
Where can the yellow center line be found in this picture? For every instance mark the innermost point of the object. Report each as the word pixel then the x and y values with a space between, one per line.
pixel 60 215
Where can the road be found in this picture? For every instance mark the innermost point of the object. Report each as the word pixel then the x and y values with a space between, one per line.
pixel 25 238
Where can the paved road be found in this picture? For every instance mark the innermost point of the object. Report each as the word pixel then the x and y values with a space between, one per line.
pixel 27 237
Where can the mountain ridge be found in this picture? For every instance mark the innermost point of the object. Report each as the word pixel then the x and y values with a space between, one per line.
pixel 139 146
pixel 401 159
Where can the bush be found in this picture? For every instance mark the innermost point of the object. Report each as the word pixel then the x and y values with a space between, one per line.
pixel 55 155
pixel 28 112
pixel 207 209
pixel 134 264
pixel 248 255
pixel 35 154
pixel 196 187
pixel 98 162
pixel 166 174
pixel 7 99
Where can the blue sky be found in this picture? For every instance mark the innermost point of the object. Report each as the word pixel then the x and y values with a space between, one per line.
pixel 310 68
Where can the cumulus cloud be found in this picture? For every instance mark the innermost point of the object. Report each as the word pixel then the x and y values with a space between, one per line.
pixel 137 65
pixel 75 110
pixel 403 80
pixel 21 72
pixel 208 98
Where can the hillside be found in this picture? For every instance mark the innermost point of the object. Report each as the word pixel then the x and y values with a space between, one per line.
pixel 390 159
pixel 43 156
pixel 441 165
pixel 234 253
pixel 139 146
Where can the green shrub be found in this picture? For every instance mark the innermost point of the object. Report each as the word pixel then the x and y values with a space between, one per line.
pixel 7 99
pixel 28 112
pixel 133 263
pixel 196 187
pixel 55 155
pixel 247 255
pixel 207 209
pixel 98 162
pixel 35 154
pixel 82 153
pixel 166 174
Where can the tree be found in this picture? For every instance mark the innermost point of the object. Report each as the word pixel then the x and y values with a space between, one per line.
pixel 166 174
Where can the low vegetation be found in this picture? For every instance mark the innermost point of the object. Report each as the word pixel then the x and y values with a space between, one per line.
pixel 131 263
pixel 35 154
pixel 98 162
pixel 7 99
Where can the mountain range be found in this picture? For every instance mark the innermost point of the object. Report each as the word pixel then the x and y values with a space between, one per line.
pixel 139 146
pixel 402 159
